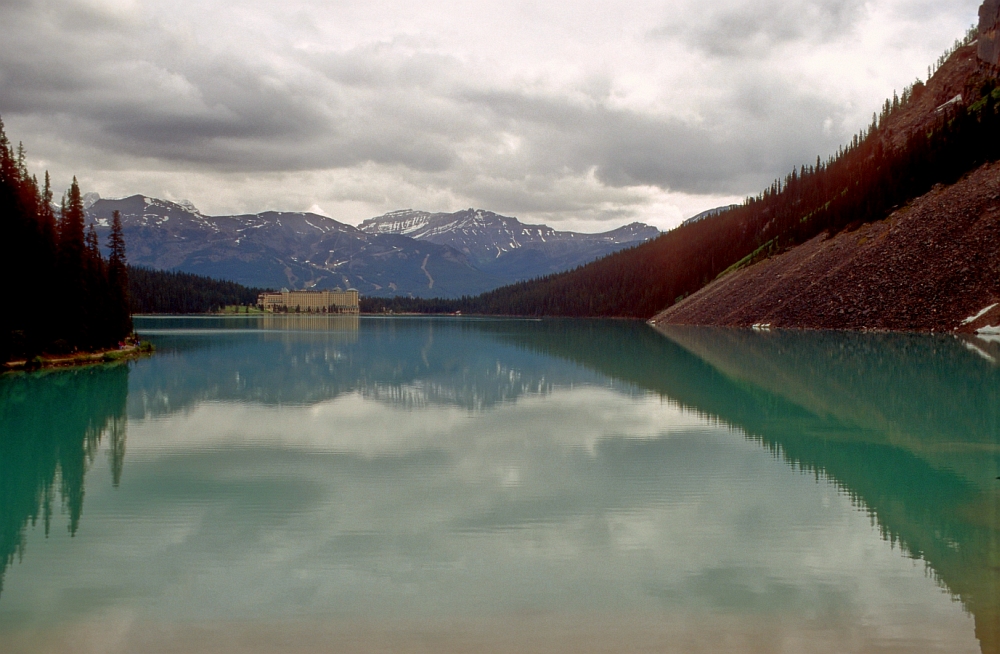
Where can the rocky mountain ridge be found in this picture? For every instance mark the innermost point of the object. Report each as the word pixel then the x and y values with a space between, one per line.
pixel 504 246
pixel 285 249
pixel 418 254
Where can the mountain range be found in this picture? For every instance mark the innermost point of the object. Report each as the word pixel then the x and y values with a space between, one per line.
pixel 505 247
pixel 409 253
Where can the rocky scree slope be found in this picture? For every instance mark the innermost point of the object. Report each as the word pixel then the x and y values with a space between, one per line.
pixel 931 265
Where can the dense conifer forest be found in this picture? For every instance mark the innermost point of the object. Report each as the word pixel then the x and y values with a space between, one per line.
pixel 61 293
pixel 162 291
pixel 864 182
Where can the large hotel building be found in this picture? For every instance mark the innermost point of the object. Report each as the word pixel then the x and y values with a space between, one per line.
pixel 335 301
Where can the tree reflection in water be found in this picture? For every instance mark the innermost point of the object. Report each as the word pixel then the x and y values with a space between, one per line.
pixel 51 427
pixel 908 425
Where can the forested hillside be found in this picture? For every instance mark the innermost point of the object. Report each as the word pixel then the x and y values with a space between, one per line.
pixel 930 135
pixel 162 291
pixel 933 265
pixel 61 293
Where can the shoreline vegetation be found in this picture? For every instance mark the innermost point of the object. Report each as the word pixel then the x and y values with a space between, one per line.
pixel 120 354
pixel 50 247
pixel 238 310
pixel 174 292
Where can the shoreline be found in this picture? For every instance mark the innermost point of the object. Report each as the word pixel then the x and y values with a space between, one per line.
pixel 80 359
pixel 984 330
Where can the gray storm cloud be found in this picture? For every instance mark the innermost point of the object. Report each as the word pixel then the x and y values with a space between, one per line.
pixel 560 114
pixel 755 28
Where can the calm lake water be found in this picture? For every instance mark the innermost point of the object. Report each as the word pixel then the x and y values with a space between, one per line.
pixel 314 484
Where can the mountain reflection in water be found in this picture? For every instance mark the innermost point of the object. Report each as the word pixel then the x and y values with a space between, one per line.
pixel 907 426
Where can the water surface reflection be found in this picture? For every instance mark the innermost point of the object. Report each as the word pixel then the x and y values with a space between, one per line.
pixel 511 485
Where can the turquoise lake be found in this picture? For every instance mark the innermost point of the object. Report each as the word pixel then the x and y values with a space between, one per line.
pixel 344 484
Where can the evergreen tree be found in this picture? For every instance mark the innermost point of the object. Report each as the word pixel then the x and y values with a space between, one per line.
pixel 121 319
pixel 81 307
pixel 95 309
pixel 10 228
pixel 71 267
pixel 48 235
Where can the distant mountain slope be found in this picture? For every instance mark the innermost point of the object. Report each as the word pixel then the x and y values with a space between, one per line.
pixel 287 249
pixel 407 253
pixel 505 247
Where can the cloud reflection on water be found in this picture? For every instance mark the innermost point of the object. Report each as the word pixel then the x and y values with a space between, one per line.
pixel 546 491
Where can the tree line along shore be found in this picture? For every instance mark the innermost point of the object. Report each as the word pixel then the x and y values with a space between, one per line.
pixel 69 303
pixel 65 295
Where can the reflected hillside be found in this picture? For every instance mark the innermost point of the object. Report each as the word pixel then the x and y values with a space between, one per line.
pixel 931 396
pixel 919 443
pixel 405 362
pixel 51 425
pixel 908 425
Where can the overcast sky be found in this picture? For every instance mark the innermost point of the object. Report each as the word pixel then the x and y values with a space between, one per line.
pixel 583 115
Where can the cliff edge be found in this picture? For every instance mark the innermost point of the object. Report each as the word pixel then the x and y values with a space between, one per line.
pixel 988 46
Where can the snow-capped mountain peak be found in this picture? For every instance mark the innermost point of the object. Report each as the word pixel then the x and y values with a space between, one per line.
pixel 403 252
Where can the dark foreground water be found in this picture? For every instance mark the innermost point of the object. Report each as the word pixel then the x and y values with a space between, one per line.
pixel 312 484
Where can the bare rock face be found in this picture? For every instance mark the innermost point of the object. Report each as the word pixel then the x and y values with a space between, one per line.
pixel 988 48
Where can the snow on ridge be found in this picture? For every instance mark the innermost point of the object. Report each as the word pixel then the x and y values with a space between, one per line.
pixel 398 212
pixel 402 221
pixel 89 199
pixel 314 226
pixel 414 225
pixel 388 225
